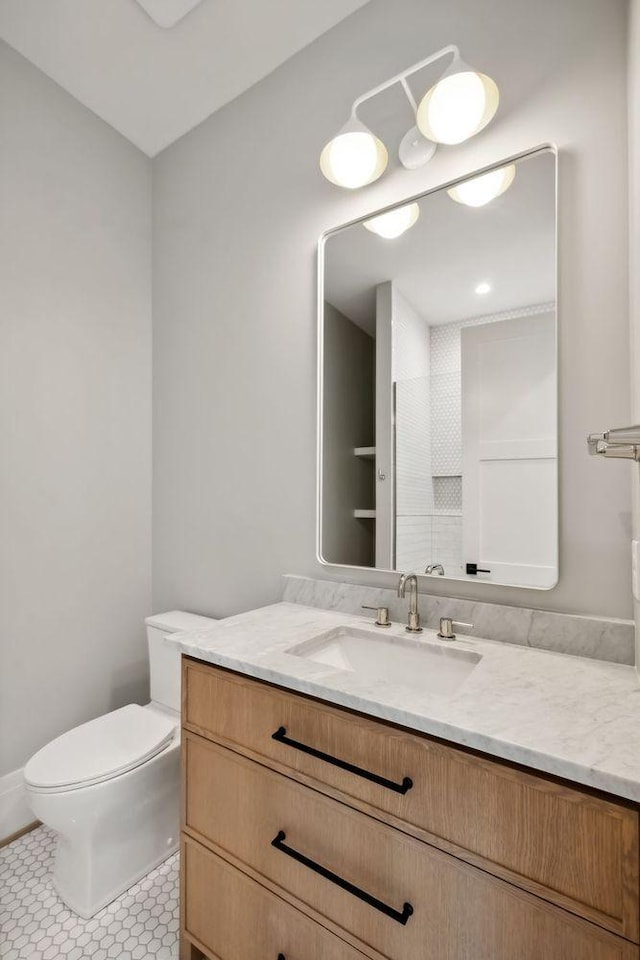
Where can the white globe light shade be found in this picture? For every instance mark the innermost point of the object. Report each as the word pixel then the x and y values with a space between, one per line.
pixel 458 106
pixel 393 223
pixel 354 158
pixel 485 188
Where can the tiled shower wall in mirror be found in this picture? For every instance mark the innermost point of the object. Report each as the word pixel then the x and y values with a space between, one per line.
pixel 429 528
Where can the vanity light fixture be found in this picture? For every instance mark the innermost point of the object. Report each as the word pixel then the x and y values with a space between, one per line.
pixel 460 104
pixel 483 189
pixel 355 156
pixel 395 222
pixel 483 288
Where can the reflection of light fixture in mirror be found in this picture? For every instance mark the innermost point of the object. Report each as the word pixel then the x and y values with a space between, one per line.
pixel 395 222
pixel 483 288
pixel 458 106
pixel 355 156
pixel 485 188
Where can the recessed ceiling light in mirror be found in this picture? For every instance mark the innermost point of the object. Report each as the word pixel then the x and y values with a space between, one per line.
pixel 393 223
pixel 482 190
pixel 483 288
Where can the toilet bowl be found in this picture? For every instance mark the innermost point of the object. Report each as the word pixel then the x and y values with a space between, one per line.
pixel 110 788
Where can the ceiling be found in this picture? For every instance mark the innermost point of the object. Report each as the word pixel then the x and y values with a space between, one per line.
pixel 154 84
pixel 166 13
pixel 437 264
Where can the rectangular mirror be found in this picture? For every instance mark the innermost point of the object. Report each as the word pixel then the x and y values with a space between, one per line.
pixel 438 382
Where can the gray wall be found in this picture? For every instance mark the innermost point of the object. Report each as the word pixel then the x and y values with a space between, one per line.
pixel 239 205
pixel 634 259
pixel 75 348
pixel 349 401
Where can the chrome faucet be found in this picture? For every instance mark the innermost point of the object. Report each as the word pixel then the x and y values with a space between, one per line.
pixel 382 615
pixel 413 626
pixel 435 568
pixel 447 626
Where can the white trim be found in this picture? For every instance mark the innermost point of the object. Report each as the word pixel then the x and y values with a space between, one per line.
pixel 15 812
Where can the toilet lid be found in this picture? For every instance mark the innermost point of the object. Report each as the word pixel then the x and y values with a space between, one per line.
pixel 100 749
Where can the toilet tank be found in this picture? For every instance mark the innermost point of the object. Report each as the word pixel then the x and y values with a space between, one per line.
pixel 164 657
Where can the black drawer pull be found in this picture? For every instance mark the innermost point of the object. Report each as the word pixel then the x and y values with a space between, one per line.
pixel 401 916
pixel 281 956
pixel 281 736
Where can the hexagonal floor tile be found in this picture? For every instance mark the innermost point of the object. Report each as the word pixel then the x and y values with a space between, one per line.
pixel 34 923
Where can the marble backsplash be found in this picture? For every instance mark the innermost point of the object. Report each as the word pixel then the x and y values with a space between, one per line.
pixel 599 639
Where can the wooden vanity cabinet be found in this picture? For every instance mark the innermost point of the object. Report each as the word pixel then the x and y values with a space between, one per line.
pixel 345 836
pixel 230 915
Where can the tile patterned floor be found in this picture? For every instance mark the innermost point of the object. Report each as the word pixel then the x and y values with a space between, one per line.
pixel 142 924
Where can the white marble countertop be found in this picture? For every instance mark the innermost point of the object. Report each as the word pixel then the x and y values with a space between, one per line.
pixel 568 716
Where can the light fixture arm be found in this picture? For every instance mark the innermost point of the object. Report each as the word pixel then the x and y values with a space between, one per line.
pixel 409 94
pixel 401 78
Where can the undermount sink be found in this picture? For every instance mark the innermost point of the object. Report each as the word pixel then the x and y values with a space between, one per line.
pixel 428 668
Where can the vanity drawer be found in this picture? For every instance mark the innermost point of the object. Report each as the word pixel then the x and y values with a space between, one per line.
pixel 234 918
pixel 359 874
pixel 568 846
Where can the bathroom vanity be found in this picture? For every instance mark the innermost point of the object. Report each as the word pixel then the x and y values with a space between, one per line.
pixel 312 829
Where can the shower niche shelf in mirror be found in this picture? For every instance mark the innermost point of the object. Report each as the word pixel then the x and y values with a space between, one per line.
pixel 439 349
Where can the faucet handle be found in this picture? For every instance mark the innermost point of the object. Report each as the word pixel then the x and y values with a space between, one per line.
pixel 447 625
pixel 382 615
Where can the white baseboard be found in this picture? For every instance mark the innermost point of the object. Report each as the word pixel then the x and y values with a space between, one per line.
pixel 14 810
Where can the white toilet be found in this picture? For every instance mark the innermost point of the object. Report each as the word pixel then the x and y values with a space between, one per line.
pixel 111 787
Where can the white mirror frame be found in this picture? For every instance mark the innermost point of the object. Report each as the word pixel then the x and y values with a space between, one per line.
pixel 547 148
